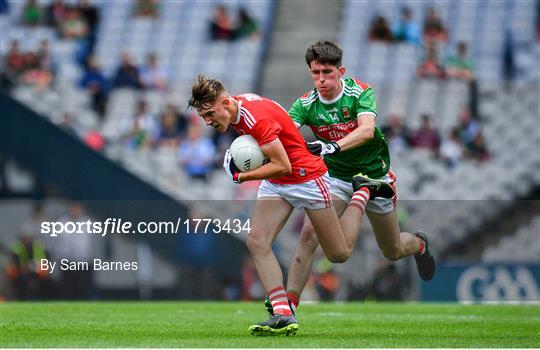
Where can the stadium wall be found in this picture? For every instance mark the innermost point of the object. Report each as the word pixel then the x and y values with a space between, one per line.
pixel 505 283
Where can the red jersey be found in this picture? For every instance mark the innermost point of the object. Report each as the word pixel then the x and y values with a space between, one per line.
pixel 267 121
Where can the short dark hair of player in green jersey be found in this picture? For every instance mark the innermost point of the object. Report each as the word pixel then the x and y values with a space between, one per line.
pixel 324 52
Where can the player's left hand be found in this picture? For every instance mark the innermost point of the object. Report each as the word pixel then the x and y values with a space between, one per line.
pixel 320 148
pixel 230 168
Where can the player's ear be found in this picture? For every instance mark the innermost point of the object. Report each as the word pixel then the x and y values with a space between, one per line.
pixel 226 103
pixel 342 71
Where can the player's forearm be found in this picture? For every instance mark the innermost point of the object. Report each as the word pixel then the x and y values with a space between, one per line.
pixel 267 171
pixel 358 137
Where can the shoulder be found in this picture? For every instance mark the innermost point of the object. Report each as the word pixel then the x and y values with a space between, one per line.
pixel 356 88
pixel 308 98
pixel 355 83
pixel 248 97
pixel 260 111
pixel 248 114
pixel 250 104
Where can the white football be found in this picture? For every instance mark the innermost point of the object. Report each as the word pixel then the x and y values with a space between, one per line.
pixel 246 153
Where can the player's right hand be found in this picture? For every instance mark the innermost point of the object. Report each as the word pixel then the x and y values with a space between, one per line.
pixel 319 148
pixel 230 168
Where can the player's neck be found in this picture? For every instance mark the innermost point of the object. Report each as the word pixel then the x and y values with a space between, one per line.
pixel 233 111
pixel 338 91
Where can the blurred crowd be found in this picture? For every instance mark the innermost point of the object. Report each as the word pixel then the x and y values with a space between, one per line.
pixel 34 68
pixel 71 22
pixel 432 37
pixel 465 140
pixel 175 129
pixel 170 129
pixel 222 26
pixel 78 22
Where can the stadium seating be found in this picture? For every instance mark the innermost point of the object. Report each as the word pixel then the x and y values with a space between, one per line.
pixel 522 246
pixel 181 42
pixel 390 69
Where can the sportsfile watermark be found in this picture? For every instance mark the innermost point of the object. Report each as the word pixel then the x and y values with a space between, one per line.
pixel 121 226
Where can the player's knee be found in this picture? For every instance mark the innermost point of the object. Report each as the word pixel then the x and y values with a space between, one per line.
pixel 308 237
pixel 392 254
pixel 257 245
pixel 339 256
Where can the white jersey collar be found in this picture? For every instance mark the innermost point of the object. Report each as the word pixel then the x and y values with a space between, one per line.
pixel 335 99
pixel 238 114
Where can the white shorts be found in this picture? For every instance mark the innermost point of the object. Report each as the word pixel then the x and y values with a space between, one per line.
pixel 378 205
pixel 312 194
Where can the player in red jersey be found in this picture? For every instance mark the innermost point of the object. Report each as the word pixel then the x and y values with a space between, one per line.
pixel 293 177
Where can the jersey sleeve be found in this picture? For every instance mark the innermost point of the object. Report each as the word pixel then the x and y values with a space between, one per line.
pixel 297 113
pixel 265 131
pixel 366 103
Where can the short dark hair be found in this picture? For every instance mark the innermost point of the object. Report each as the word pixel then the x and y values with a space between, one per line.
pixel 204 92
pixel 324 52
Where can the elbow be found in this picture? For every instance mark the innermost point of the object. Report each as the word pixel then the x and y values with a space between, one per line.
pixel 370 133
pixel 281 169
pixel 287 170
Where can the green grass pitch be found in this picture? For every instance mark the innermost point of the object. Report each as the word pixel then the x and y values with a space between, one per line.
pixel 223 325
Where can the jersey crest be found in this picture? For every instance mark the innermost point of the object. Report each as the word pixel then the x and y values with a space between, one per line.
pixel 345 112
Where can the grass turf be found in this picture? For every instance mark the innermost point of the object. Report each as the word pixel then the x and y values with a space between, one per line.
pixel 220 324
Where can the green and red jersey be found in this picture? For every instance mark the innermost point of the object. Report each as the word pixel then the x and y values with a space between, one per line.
pixel 333 120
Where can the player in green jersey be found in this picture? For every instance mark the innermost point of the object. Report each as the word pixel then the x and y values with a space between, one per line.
pixel 342 112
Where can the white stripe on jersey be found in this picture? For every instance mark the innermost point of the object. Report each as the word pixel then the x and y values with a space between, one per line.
pixel 353 94
pixel 356 86
pixel 250 121
pixel 309 99
pixel 352 91
pixel 310 95
pixel 367 112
